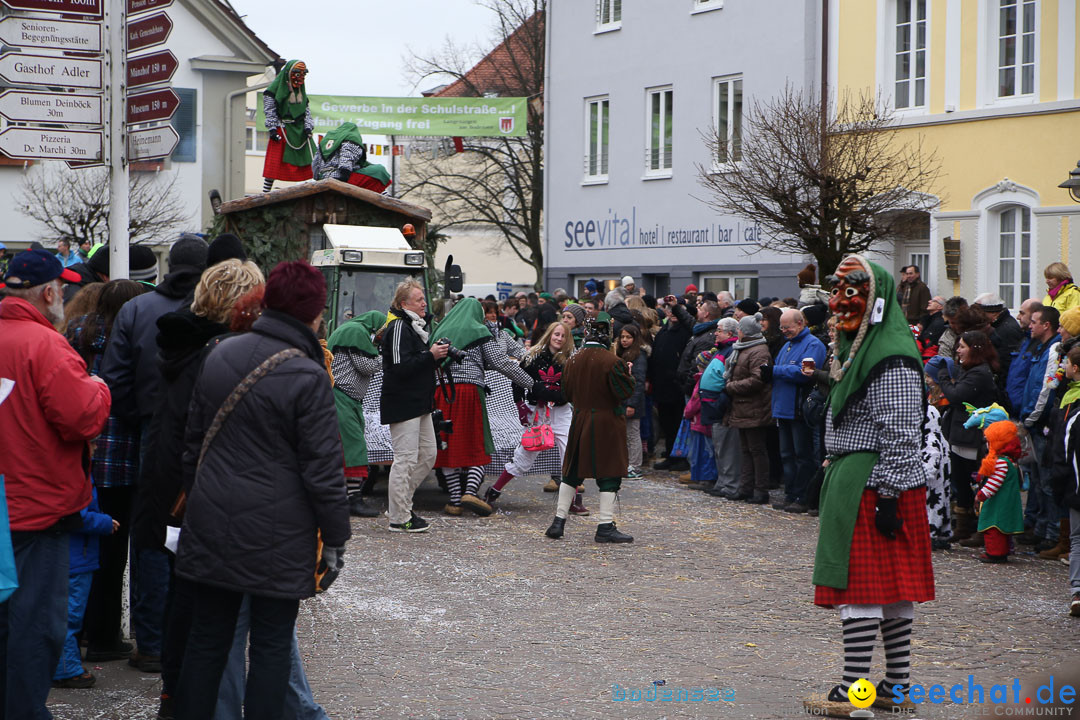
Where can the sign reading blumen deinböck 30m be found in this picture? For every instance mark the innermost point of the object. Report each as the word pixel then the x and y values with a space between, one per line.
pixel 440 117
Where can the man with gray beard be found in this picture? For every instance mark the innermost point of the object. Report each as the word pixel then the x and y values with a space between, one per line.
pixel 51 408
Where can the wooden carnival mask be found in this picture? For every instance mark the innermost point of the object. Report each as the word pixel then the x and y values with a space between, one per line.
pixel 850 294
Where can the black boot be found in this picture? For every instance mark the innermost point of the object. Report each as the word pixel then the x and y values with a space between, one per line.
pixel 607 533
pixel 555 531
pixel 359 508
pixel 491 496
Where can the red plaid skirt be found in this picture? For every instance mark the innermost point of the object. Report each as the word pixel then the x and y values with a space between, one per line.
pixel 465 446
pixel 274 167
pixel 356 471
pixel 883 571
pixel 367 182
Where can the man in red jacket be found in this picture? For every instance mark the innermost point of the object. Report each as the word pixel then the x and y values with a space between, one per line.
pixel 51 412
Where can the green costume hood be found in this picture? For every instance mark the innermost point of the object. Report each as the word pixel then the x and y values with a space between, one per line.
pixel 356 334
pixel 345 132
pixel 280 89
pixel 889 338
pixel 374 170
pixel 464 325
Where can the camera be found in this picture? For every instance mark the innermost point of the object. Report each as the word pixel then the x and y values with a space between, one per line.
pixel 452 352
pixel 442 425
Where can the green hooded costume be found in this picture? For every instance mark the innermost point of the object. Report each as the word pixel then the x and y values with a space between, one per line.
pixel 846 477
pixel 464 327
pixel 348 132
pixel 292 106
pixel 354 335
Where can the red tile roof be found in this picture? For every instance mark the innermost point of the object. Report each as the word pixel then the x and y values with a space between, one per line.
pixel 506 71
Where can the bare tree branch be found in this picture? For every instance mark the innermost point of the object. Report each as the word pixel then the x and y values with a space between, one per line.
pixel 857 188
pixel 74 205
pixel 495 183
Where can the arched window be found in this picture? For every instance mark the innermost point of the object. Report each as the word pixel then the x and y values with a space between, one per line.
pixel 1014 256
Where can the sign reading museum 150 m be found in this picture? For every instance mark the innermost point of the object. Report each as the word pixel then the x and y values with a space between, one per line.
pixel 442 117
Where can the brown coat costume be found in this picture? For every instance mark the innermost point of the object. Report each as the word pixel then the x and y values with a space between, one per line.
pixel 596 382
pixel 751 397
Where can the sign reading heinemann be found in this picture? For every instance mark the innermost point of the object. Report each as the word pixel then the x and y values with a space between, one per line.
pixel 626 232
pixel 439 117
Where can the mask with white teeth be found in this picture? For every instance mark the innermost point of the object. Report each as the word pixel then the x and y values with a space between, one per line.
pixel 850 295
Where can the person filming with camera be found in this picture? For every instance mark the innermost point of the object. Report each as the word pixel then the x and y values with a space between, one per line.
pixel 408 397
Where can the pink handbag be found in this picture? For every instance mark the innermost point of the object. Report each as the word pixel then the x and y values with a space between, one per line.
pixel 540 436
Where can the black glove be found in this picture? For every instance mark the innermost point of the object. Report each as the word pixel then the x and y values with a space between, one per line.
pixel 886 519
pixel 275 134
pixel 342 174
pixel 766 373
pixel 331 563
pixel 307 133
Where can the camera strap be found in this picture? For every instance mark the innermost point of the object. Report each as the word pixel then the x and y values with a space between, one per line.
pixel 445 378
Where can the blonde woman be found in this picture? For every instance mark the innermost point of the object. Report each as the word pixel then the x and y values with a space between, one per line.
pixel 544 364
pixel 1061 292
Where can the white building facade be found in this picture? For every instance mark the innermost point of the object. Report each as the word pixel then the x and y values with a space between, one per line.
pixel 632 91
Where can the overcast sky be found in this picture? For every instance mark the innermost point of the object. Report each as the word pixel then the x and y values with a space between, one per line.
pixel 355 47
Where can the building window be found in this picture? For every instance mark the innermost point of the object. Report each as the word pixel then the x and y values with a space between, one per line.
pixel 185 122
pixel 658 147
pixel 727 120
pixel 596 151
pixel 1014 255
pixel 740 286
pixel 604 284
pixel 910 54
pixel 920 260
pixel 255 140
pixel 1016 47
pixel 608 14
pixel 703 5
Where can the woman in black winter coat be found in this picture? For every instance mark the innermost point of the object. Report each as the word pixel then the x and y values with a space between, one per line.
pixel 974 385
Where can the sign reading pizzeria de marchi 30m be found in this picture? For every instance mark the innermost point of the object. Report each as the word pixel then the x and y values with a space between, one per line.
pixel 446 117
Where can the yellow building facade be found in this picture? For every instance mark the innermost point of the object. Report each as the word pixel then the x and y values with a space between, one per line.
pixel 993 87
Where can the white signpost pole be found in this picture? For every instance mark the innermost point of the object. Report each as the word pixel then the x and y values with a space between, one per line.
pixel 115 135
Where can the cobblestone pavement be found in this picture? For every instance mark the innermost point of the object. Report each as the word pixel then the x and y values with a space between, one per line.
pixel 486 618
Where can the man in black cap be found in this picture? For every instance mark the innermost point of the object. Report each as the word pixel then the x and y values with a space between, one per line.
pixel 131 369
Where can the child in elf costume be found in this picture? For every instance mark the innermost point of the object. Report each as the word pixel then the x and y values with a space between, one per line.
pixel 998 499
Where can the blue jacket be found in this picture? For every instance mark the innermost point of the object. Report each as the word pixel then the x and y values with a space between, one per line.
pixel 83 549
pixel 1033 385
pixel 787 372
pixel 1019 368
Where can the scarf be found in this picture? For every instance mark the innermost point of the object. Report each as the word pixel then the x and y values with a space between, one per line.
pixel 1056 290
pixel 417 323
pixel 703 326
pixel 858 357
pixel 729 364
pixel 1072 394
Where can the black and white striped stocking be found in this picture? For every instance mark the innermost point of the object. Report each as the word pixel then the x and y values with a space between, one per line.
pixel 896 636
pixel 859 636
pixel 474 476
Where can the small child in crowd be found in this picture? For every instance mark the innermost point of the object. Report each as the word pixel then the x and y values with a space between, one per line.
pixel 998 500
pixel 702 462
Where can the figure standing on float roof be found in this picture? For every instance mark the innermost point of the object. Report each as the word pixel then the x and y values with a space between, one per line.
pixel 289 122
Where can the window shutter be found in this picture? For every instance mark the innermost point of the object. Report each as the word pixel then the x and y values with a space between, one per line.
pixel 616 10
pixel 184 124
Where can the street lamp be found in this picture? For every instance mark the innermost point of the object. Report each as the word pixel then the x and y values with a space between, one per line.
pixel 1073 183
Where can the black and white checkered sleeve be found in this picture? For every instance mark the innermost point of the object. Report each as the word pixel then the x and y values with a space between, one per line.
pixel 896 406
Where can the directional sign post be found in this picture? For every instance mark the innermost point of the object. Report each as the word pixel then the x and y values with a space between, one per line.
pixel 148 31
pixel 51 34
pixel 51 107
pixel 148 69
pixel 138 6
pixel 150 106
pixel 157 142
pixel 44 143
pixel 67 7
pixel 24 69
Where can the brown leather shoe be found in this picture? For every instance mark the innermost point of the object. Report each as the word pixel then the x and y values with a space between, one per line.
pixel 475 504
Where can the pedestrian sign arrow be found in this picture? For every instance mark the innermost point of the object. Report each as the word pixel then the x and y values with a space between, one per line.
pixel 151 106
pixel 154 142
pixel 51 34
pixel 68 7
pixel 148 31
pixel 23 69
pixel 149 69
pixel 45 143
pixel 51 107
pixel 138 6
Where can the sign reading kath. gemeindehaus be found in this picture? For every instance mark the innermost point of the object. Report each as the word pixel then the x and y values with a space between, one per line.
pixel 439 117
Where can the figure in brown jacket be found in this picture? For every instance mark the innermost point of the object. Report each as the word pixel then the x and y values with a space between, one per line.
pixel 596 382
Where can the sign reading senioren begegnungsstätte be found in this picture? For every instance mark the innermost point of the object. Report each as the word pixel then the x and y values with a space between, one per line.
pixel 444 117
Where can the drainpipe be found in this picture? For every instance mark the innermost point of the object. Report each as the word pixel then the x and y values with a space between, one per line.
pixel 547 131
pixel 228 127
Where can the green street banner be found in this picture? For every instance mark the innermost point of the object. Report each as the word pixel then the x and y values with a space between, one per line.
pixel 439 117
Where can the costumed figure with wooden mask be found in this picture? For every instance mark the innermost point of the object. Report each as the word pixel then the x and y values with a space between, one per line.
pixel 289 122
